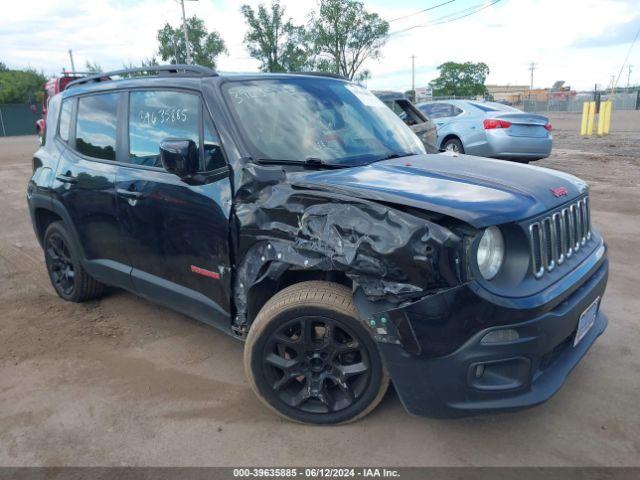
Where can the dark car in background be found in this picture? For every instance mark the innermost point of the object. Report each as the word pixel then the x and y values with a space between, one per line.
pixel 489 129
pixel 421 125
pixel 318 231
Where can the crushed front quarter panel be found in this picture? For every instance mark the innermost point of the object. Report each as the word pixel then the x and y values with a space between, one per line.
pixel 389 254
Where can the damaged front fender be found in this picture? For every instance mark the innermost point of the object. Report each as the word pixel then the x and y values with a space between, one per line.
pixel 390 255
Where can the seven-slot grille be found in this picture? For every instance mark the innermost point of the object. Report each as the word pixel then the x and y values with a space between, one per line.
pixel 556 237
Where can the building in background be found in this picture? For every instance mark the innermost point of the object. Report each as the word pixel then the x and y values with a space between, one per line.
pixel 424 94
pixel 509 94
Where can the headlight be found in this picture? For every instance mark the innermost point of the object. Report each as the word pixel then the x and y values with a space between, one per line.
pixel 490 252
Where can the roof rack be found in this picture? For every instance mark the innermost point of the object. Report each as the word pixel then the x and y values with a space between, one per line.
pixel 322 74
pixel 162 70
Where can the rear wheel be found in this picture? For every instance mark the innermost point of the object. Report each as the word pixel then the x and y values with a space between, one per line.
pixel 453 145
pixel 70 281
pixel 310 358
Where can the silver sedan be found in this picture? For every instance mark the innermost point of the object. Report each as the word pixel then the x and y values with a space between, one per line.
pixel 489 129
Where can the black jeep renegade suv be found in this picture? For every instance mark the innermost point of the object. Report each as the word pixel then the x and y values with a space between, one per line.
pixel 300 214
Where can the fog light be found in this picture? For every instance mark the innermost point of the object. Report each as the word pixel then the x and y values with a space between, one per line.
pixel 504 335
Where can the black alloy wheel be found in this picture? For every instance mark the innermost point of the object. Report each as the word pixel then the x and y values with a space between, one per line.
pixel 311 359
pixel 60 265
pixel 316 364
pixel 68 277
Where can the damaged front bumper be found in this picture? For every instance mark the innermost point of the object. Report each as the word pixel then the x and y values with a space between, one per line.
pixel 434 352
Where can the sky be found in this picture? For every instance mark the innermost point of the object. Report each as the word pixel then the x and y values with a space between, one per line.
pixel 582 42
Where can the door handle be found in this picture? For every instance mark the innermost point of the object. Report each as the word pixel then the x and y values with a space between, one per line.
pixel 131 194
pixel 67 178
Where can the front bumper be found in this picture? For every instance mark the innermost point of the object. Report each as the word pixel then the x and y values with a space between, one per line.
pixel 512 375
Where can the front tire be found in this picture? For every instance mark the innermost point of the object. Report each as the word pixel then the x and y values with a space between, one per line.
pixel 310 359
pixel 68 278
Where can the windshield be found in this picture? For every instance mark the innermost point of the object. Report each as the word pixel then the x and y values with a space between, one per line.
pixel 295 119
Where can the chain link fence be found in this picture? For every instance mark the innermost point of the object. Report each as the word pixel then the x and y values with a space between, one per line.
pixel 17 119
pixel 621 101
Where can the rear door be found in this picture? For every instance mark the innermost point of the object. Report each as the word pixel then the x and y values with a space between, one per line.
pixel 85 183
pixel 176 233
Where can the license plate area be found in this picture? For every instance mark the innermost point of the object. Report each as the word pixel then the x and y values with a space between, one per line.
pixel 587 319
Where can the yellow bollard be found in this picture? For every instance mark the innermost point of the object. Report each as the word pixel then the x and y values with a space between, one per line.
pixel 601 116
pixel 585 115
pixel 591 117
pixel 588 116
pixel 607 118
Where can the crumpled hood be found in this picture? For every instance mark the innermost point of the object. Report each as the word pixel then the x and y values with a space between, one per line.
pixel 479 191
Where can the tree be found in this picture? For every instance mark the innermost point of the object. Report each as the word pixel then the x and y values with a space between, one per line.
pixel 345 35
pixel 460 79
pixel 410 94
pixel 205 46
pixel 3 67
pixel 362 77
pixel 274 40
pixel 144 63
pixel 21 86
pixel 93 67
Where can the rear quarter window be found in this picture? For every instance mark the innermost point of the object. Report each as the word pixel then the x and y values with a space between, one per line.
pixel 96 126
pixel 65 120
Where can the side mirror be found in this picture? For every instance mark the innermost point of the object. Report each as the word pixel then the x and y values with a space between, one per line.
pixel 180 157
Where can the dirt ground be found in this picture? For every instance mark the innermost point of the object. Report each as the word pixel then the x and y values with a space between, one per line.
pixel 121 381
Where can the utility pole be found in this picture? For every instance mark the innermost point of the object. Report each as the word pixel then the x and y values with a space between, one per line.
pixel 629 77
pixel 413 77
pixel 73 67
pixel 186 36
pixel 532 67
pixel 613 83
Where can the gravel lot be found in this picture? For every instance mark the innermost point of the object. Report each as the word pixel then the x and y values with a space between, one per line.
pixel 121 381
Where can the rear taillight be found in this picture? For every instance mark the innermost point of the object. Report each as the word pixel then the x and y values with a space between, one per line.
pixel 491 123
pixel 548 127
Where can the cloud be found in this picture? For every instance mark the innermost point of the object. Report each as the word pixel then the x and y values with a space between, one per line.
pixel 621 33
pixel 506 36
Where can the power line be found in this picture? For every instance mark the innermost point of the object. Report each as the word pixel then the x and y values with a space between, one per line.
pixel 469 14
pixel 452 17
pixel 626 58
pixel 421 11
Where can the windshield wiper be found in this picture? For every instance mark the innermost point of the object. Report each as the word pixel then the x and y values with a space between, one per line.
pixel 309 162
pixel 393 155
pixel 398 155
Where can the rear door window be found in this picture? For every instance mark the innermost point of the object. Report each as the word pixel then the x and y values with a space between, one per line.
pixel 97 125
pixel 439 110
pixel 455 111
